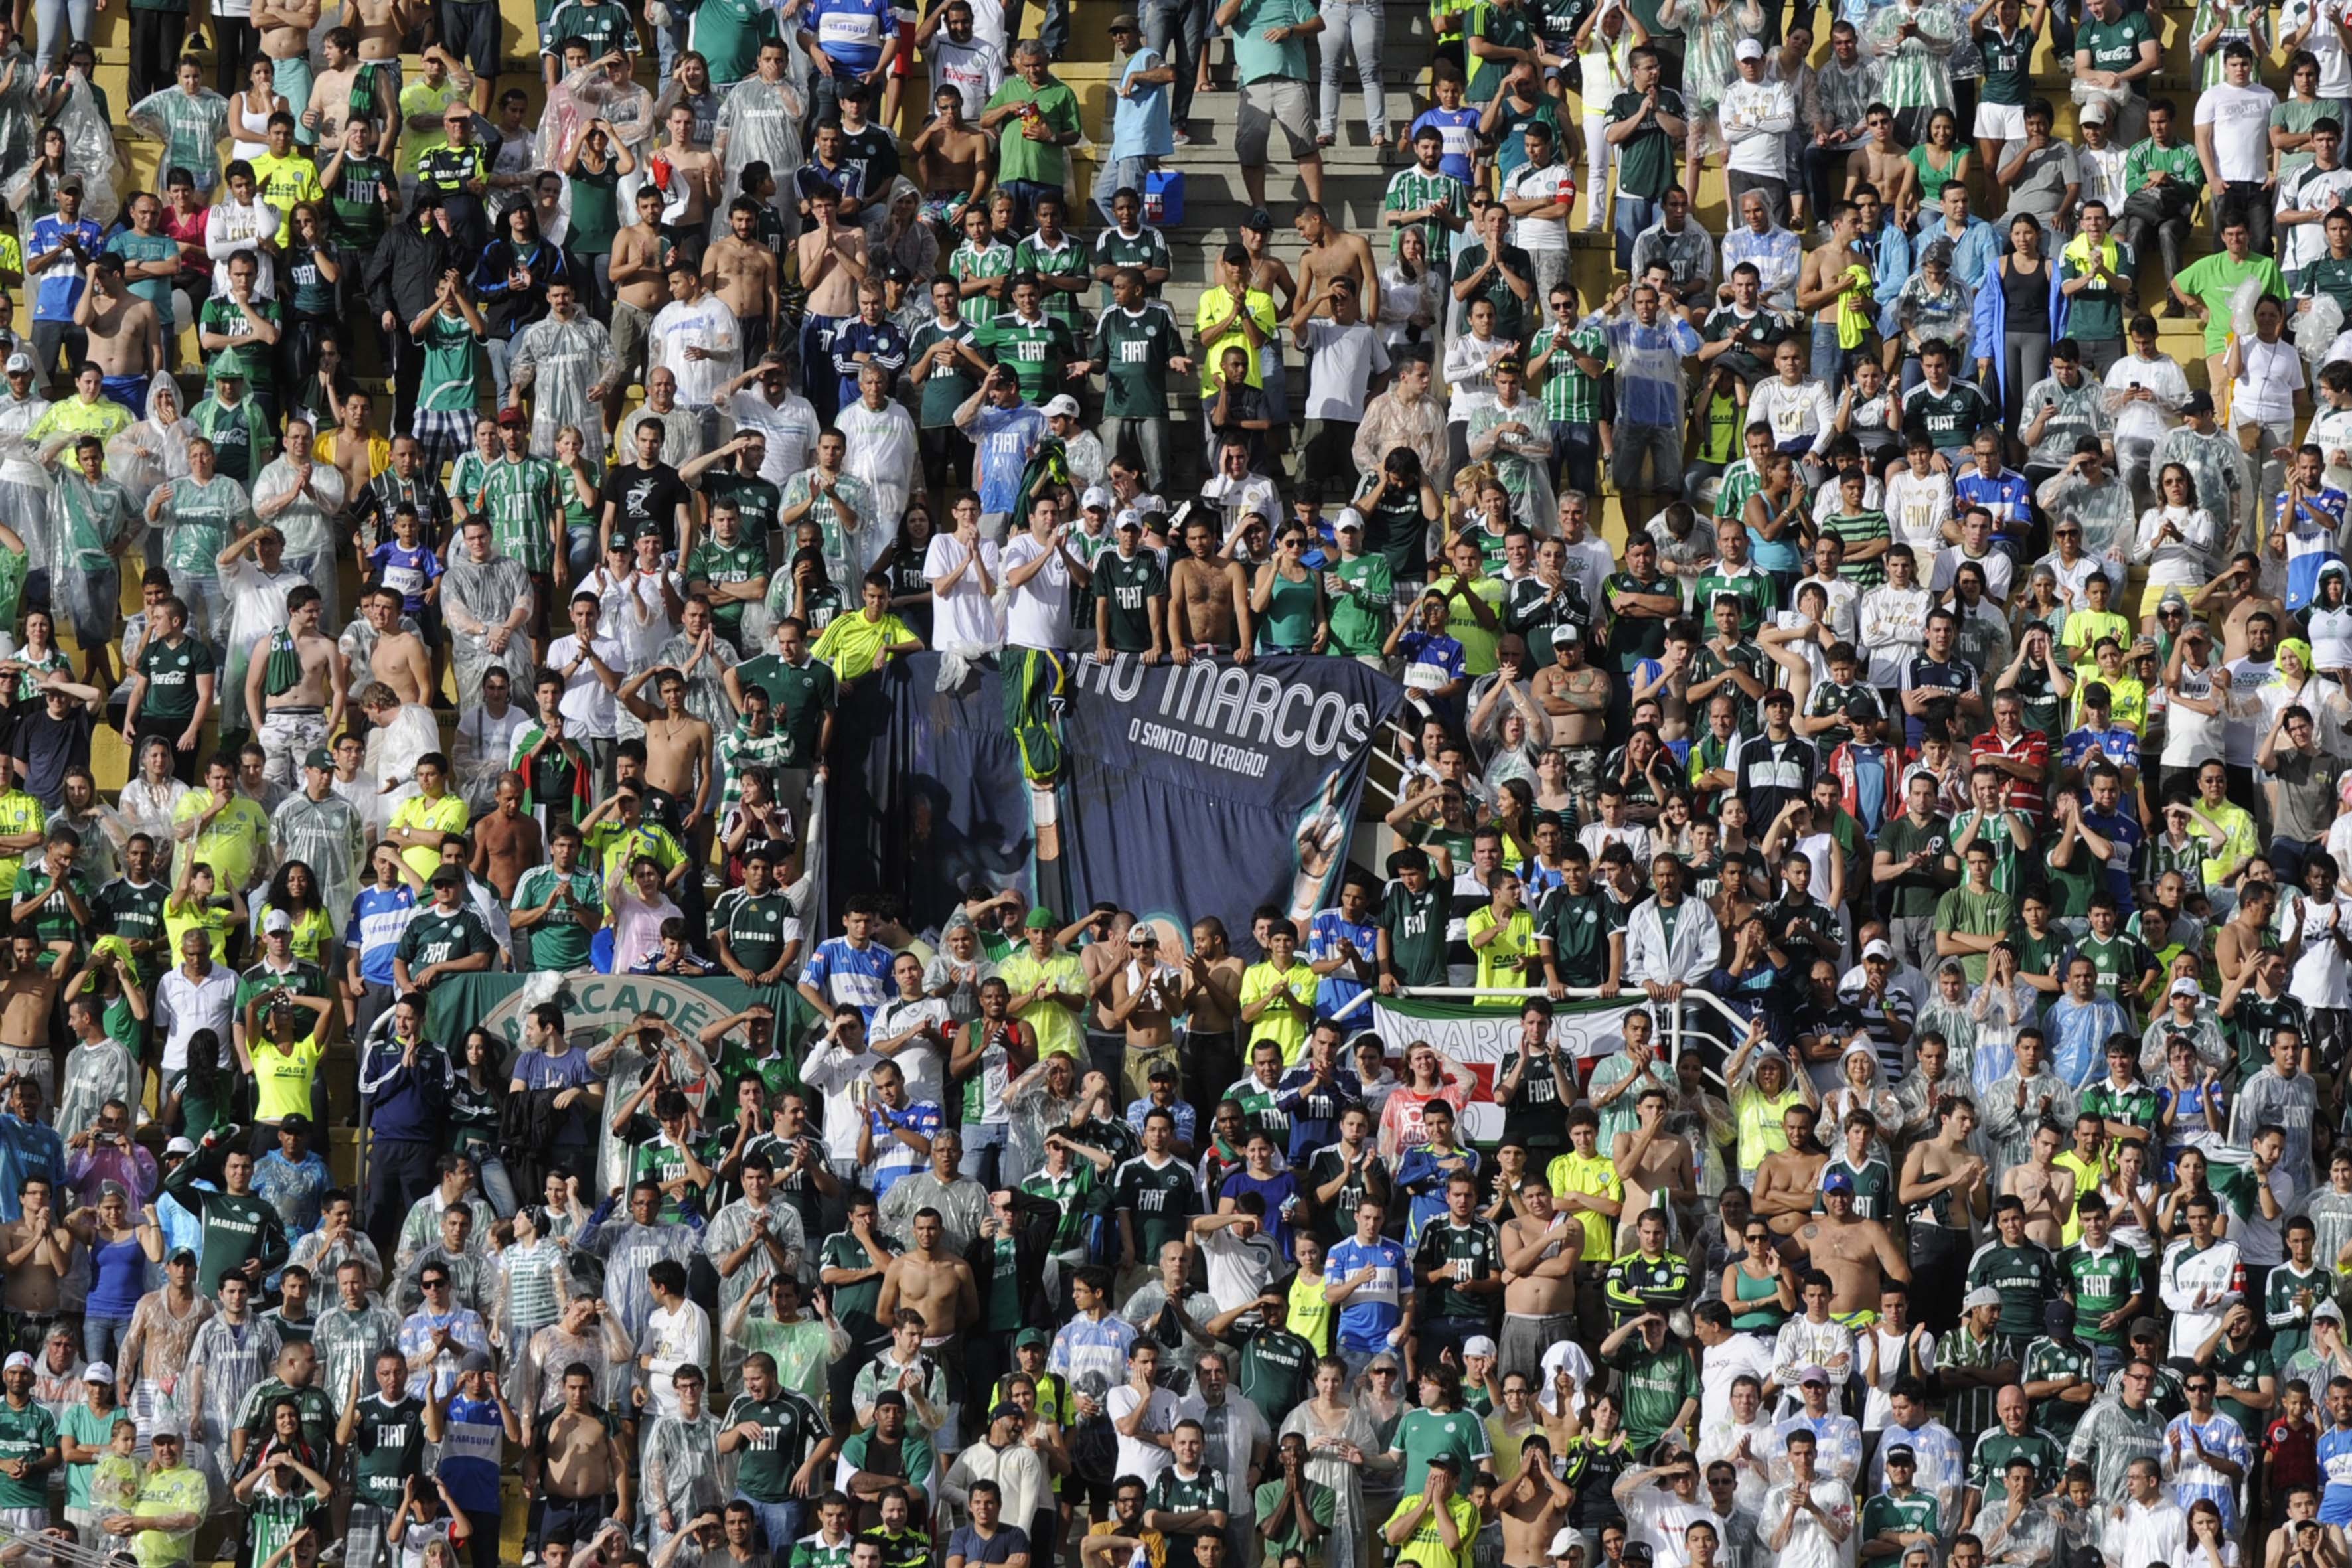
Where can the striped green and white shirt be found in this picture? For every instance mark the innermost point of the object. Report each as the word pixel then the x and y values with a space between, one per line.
pixel 1568 394
pixel 1411 189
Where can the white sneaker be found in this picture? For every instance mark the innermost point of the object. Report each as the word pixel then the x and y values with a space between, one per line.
pixel 1594 222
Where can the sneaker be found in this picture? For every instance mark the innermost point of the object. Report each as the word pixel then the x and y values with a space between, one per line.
pixel 1183 137
pixel 1594 222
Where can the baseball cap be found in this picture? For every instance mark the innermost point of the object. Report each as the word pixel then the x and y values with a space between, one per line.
pixel 321 760
pixel 1806 1375
pixel 514 417
pixel 298 1122
pixel 1982 1296
pixel 70 183
pixel 1567 1540
pixel 1565 634
pixel 1477 1344
pixel 1877 948
pixel 1037 1337
pixel 1064 403
pixel 1097 495
pixel 2146 1329
pixel 1901 1454
pixel 98 1371
pixel 1259 219
pixel 1124 22
pixel 1780 696
pixel 1129 519
pixel 180 1146
pixel 1165 1072
pixel 447 876
pixel 1838 1182
pixel 476 1360
pixel 1637 1552
pixel 2093 113
pixel 2199 402
pixel 1749 49
pixel 2184 986
pixel 17 1359
pixel 277 920
pixel 166 1432
pixel 19 364
pixel 1348 518
pixel 2329 1310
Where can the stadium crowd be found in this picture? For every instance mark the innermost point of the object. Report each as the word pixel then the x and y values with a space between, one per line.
pixel 1910 873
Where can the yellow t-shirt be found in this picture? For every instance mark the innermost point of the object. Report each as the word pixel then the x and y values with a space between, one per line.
pixel 282 1077
pixel 1428 1548
pixel 1217 303
pixel 1502 962
pixel 20 812
pixel 1280 1024
pixel 212 919
pixel 1596 1174
pixel 447 815
pixel 1311 1312
pixel 1055 1026
pixel 283 181
pixel 853 645
pixel 231 844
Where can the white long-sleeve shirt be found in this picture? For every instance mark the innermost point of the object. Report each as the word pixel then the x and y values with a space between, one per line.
pixel 1757 117
pixel 2135 1534
pixel 230 228
pixel 2147 419
pixel 706 324
pixel 1805 409
pixel 1810 1543
pixel 2198 1288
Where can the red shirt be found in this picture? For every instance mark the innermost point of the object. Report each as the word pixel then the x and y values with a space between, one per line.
pixel 186 231
pixel 2031 747
pixel 2293 1451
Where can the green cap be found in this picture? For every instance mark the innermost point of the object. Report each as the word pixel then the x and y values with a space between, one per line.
pixel 1037 1337
pixel 1040 918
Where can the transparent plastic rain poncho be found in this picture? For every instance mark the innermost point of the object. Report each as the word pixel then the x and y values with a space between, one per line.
pixel 146 453
pixel 89 521
pixel 566 360
pixel 2314 330
pixel 19 119
pixel 23 482
pixel 591 93
pixel 90 152
pixel 759 123
pixel 191 130
pixel 257 608
pixel 484 593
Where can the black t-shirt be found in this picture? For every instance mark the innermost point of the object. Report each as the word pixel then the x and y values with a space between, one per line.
pixel 45 747
pixel 646 500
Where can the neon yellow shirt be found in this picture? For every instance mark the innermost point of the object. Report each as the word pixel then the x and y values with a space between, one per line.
pixel 163 1492
pixel 231 844
pixel 283 181
pixel 853 646
pixel 282 1077
pixel 1285 1028
pixel 1502 962
pixel 447 815
pixel 1595 1174
pixel 20 813
pixel 1056 1027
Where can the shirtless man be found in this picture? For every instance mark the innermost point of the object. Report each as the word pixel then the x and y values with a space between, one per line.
pixel 1943 1188
pixel 640 289
pixel 299 717
pixel 354 447
pixel 1575 695
pixel 679 747
pixel 507 840
pixel 1786 1182
pixel 1541 1248
pixel 2240 588
pixel 285 27
pixel 163 1331
pixel 399 658
pixel 126 339
pixel 29 992
pixel 1138 1001
pixel 833 264
pixel 326 119
pixel 582 1465
pixel 1212 1006
pixel 2045 1187
pixel 1656 1166
pixel 1531 1503
pixel 933 1282
pixel 1208 600
pixel 380 27
pixel 951 159
pixel 1333 253
pixel 38 1247
pixel 1881 163
pixel 696 167
pixel 1857 1255
pixel 1826 277
pixel 741 271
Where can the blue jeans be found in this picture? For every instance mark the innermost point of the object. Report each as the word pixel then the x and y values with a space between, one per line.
pixel 984 1151
pixel 1829 358
pixel 778 1521
pixel 1179 31
pixel 1635 214
pixel 498 1187
pixel 101 1337
pixel 670 42
pixel 2287 857
pixel 1115 176
pixel 1025 194
pixel 1576 449
pixel 56 23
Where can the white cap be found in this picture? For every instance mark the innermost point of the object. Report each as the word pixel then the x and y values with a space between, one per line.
pixel 1477 1344
pixel 1064 403
pixel 98 1371
pixel 1982 1296
pixel 1749 49
pixel 1565 1542
pixel 1348 518
pixel 275 920
pixel 2184 986
pixel 15 1360
pixel 2093 113
pixel 1097 496
pixel 1877 948
pixel 20 361
pixel 180 1146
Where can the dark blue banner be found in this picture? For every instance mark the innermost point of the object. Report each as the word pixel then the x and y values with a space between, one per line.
pixel 1202 789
